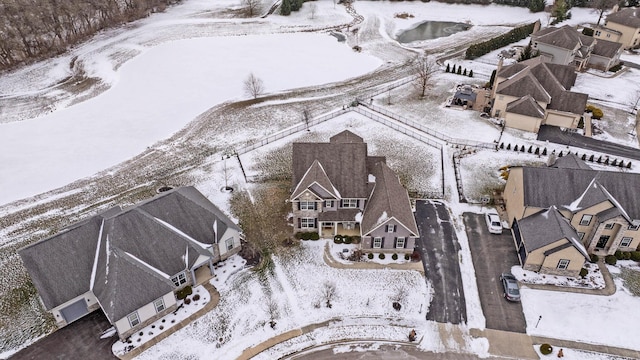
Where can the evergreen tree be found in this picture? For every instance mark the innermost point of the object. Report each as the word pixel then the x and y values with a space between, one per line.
pixel 464 72
pixel 459 72
pixel 536 5
pixel 559 11
pixel 492 78
pixel 453 70
pixel 470 73
pixel 448 68
pixel 285 8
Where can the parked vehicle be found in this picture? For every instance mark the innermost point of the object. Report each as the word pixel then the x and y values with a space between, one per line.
pixel 493 222
pixel 510 287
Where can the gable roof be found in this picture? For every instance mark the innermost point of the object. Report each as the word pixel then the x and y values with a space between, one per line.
pixel 389 199
pixel 547 227
pixel 570 188
pixel 122 252
pixel 343 159
pixel 628 17
pixel 565 37
pixel 570 161
pixel 527 106
pixel 315 175
pixel 606 48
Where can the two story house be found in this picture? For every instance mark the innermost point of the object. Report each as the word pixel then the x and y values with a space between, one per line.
pixel 534 92
pixel 338 189
pixel 562 213
pixel 622 26
pixel 567 46
pixel 129 262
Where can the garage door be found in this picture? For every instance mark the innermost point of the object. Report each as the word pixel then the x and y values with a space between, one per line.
pixel 75 311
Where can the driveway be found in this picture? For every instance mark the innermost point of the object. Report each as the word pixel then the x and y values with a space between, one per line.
pixel 492 255
pixel 79 340
pixel 556 135
pixel 438 246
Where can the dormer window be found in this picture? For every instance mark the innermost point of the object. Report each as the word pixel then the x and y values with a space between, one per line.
pixel 608 226
pixel 349 203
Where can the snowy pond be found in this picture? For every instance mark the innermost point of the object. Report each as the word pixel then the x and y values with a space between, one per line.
pixel 428 30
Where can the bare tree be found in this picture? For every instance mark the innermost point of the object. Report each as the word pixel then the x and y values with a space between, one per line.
pixel 634 100
pixel 399 296
pixel 328 292
pixel 253 86
pixel 601 6
pixel 306 116
pixel 271 308
pixel 252 6
pixel 313 8
pixel 424 69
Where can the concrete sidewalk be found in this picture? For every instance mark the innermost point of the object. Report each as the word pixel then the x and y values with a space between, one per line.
pixel 603 349
pixel 368 265
pixel 215 299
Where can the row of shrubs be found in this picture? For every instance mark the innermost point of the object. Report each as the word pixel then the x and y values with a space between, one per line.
pixel 592 158
pixel 346 239
pixel 307 235
pixel 618 255
pixel 382 256
pixel 458 70
pixel 517 34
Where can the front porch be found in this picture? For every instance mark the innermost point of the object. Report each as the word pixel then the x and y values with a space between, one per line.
pixel 329 229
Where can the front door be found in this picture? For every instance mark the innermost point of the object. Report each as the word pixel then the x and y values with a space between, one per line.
pixel 602 242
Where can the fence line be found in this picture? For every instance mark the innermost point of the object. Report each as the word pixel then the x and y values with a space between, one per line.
pixel 373 93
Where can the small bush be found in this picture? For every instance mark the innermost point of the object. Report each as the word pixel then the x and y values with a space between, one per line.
pixel 299 235
pixel 196 297
pixel 337 239
pixel 635 255
pixel 594 258
pixel 415 256
pixel 407 256
pixel 184 292
pixel 616 68
pixel 583 272
pixel 618 255
pixel 381 256
pixel 187 301
pixel 394 256
pixel 356 239
pixel 626 255
pixel 546 349
pixel 610 259
pixel 370 256
pixel 348 239
pixel 314 236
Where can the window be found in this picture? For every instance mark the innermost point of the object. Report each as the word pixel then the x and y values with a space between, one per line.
pixel 307 205
pixel 229 243
pixel 608 226
pixel 307 223
pixel 391 228
pixel 179 279
pixel 586 219
pixel 327 225
pixel 400 243
pixel 377 242
pixel 134 320
pixel 633 227
pixel 159 304
pixel 350 203
pixel 626 241
pixel 581 235
pixel 598 32
pixel 563 264
pixel 328 203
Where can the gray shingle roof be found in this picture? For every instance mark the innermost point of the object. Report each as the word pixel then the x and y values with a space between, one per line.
pixel 570 161
pixel 343 160
pixel 547 227
pixel 389 197
pixel 607 49
pixel 547 186
pixel 527 106
pixel 524 84
pixel 565 37
pixel 628 17
pixel 315 174
pixel 159 234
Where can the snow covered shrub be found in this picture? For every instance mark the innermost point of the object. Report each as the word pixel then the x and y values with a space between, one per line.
pixel 394 256
pixel 407 256
pixel 618 254
pixel 610 259
pixel 184 292
pixel 546 349
pixel 583 272
pixel 314 236
pixel 626 255
pixel 381 256
pixel 337 239
pixel 348 240
pixel 187 301
pixel 370 256
pixel 594 258
pixel 635 255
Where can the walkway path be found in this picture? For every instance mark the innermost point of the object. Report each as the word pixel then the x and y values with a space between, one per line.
pixel 215 298
pixel 368 265
pixel 608 290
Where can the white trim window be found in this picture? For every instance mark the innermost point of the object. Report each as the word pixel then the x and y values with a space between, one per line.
pixel 377 242
pixel 563 264
pixel 391 228
pixel 159 305
pixel 229 243
pixel 307 205
pixel 328 203
pixel 608 226
pixel 134 319
pixel 580 235
pixel 633 227
pixel 307 223
pixel 586 220
pixel 180 279
pixel 626 241
pixel 400 243
pixel 349 203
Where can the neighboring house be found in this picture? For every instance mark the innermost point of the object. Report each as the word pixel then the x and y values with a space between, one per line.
pixel 129 262
pixel 471 97
pixel 533 92
pixel 567 46
pixel 621 26
pixel 602 207
pixel 338 189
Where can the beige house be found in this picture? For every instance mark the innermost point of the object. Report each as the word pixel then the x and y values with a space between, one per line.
pixel 567 46
pixel 622 26
pixel 602 207
pixel 338 189
pixel 129 262
pixel 534 92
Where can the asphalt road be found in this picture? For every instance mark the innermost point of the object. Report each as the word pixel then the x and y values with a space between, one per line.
pixel 78 340
pixel 438 246
pixel 556 135
pixel 492 255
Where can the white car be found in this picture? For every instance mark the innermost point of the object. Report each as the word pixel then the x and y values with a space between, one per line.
pixel 493 222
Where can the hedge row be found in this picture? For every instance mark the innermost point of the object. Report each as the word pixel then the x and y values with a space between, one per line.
pixel 517 34
pixel 305 235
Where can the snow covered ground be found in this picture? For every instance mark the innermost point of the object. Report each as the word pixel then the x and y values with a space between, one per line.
pixel 157 76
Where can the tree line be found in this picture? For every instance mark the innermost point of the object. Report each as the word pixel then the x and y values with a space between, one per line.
pixel 36 29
